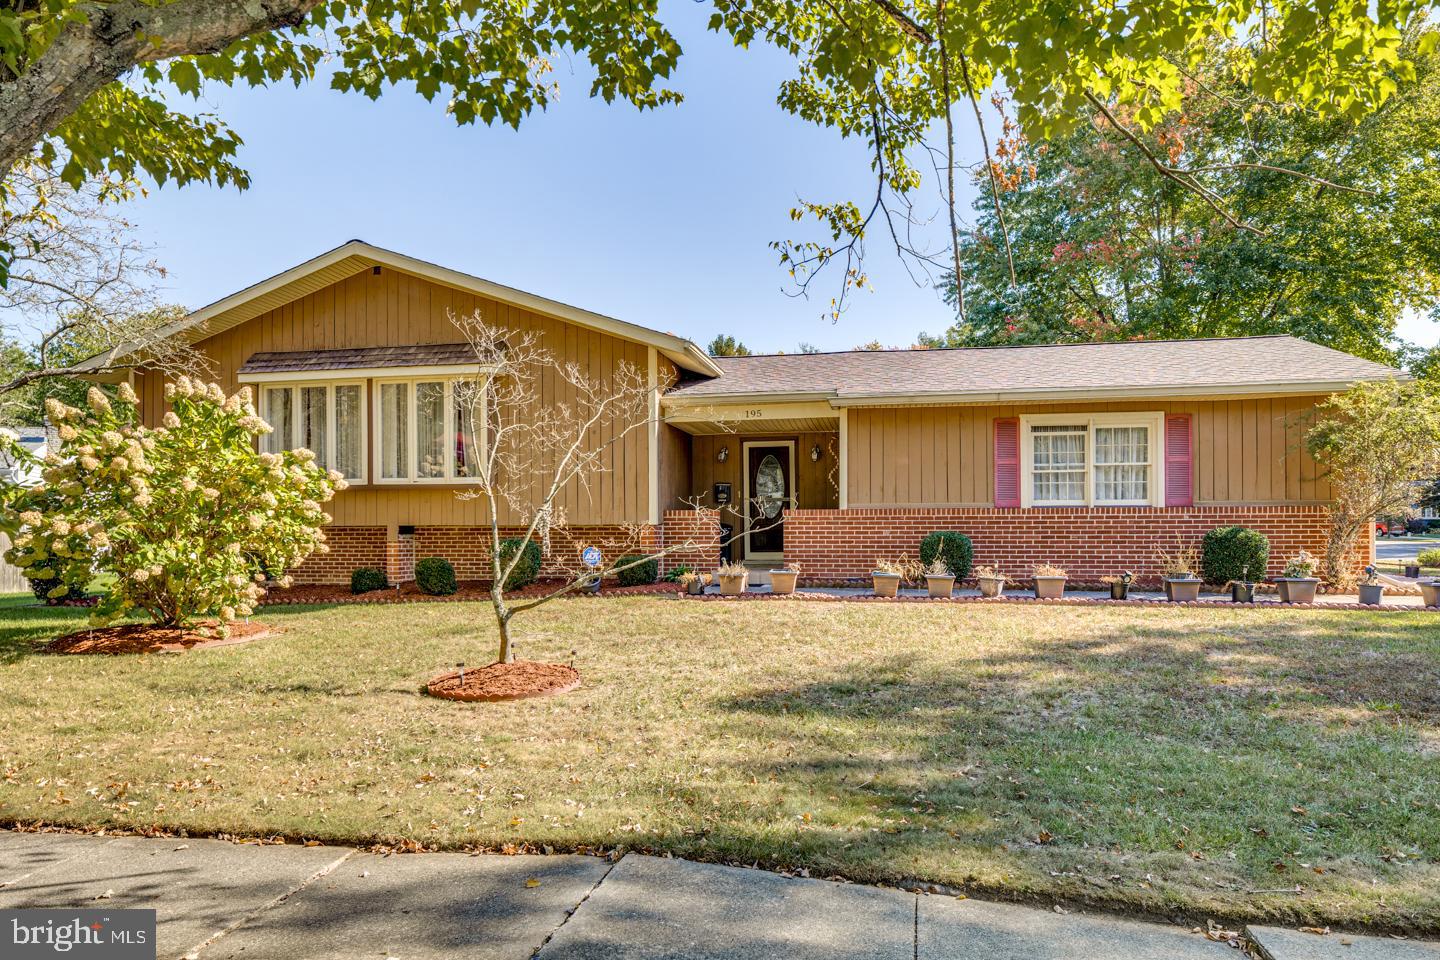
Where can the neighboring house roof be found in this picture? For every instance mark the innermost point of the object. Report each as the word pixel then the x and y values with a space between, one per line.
pixel 35 442
pixel 362 358
pixel 355 256
pixel 1230 366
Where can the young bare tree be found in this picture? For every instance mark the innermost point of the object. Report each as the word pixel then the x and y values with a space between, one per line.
pixel 535 431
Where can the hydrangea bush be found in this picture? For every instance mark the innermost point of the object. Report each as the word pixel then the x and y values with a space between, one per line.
pixel 188 516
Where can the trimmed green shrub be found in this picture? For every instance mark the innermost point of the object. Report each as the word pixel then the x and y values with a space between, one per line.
pixel 1234 553
pixel 954 548
pixel 641 573
pixel 435 576
pixel 1429 558
pixel 367 579
pixel 527 569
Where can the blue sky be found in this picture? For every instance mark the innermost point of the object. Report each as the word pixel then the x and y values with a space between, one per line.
pixel 659 218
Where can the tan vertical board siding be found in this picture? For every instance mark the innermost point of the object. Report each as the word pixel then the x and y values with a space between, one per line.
pixel 1248 451
pixel 393 308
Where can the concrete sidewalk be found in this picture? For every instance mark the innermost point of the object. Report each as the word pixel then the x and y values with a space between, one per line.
pixel 221 900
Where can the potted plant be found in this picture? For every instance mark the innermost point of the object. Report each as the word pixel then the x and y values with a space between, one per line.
pixel 1241 591
pixel 1119 586
pixel 939 581
pixel 733 577
pixel 782 581
pixel 1298 582
pixel 1181 583
pixel 990 580
pixel 1371 589
pixel 694 583
pixel 885 578
pixel 1049 581
pixel 1430 592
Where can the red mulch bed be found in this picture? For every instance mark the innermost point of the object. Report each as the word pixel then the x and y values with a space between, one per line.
pixel 148 638
pixel 519 680
pixel 470 590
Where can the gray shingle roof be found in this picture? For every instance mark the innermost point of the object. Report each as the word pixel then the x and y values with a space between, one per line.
pixel 359 358
pixel 1145 366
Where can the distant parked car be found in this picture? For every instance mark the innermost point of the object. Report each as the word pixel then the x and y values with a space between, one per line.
pixel 1391 528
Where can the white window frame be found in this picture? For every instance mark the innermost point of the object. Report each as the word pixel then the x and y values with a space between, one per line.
pixel 331 434
pixel 1154 421
pixel 412 439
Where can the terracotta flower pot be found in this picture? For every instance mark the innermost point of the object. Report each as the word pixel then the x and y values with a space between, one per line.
pixel 1430 592
pixel 991 586
pixel 1370 593
pixel 1050 588
pixel 1182 589
pixel 783 581
pixel 733 585
pixel 939 586
pixel 1297 589
pixel 885 584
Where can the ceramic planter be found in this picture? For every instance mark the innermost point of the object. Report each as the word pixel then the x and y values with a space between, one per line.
pixel 783 581
pixel 939 586
pixel 695 587
pixel 1297 589
pixel 885 584
pixel 991 586
pixel 1412 570
pixel 1430 592
pixel 1242 592
pixel 1050 588
pixel 1119 591
pixel 1182 589
pixel 734 584
pixel 1370 593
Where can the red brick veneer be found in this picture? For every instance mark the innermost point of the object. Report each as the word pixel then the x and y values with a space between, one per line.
pixel 1088 542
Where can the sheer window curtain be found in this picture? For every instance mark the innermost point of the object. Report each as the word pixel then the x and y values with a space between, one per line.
pixel 1122 464
pixel 1058 463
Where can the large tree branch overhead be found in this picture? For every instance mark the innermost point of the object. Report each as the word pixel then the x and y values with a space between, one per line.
pixel 107 41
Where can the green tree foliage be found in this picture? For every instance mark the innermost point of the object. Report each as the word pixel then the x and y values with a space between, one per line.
pixel 1375 441
pixel 1105 250
pixel 727 346
pixel 187 516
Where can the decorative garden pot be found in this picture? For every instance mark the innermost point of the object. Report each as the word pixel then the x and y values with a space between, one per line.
pixel 1430 592
pixel 1119 591
pixel 1050 588
pixel 783 581
pixel 1412 570
pixel 991 586
pixel 695 587
pixel 733 585
pixel 885 584
pixel 1182 589
pixel 939 586
pixel 1242 592
pixel 1370 593
pixel 1297 589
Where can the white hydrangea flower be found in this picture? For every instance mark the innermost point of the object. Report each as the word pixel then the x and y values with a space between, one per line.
pixel 67 432
pixel 127 393
pixel 170 419
pixel 256 521
pixel 268 459
pixel 55 410
pixel 31 517
pixel 120 464
pixel 89 463
pixel 227 613
pixel 98 402
pixel 140 575
pixel 188 485
pixel 143 500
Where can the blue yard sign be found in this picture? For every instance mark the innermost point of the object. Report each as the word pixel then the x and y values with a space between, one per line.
pixel 591 556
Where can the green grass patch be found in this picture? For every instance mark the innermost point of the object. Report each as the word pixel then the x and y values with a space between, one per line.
pixel 1150 759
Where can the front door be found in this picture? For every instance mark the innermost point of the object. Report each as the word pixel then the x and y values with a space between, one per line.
pixel 769 489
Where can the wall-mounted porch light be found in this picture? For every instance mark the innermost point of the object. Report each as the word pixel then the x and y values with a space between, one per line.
pixel 722 454
pixel 815 453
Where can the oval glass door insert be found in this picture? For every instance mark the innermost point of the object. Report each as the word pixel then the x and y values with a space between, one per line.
pixel 770 486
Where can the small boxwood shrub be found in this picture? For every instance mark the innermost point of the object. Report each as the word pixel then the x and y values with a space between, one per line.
pixel 367 579
pixel 1234 553
pixel 954 548
pixel 435 576
pixel 1429 558
pixel 646 572
pixel 527 569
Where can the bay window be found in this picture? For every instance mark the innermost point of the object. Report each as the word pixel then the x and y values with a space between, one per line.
pixel 1091 459
pixel 327 419
pixel 428 431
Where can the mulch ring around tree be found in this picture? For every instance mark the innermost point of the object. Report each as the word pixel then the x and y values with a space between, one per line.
pixel 148 638
pixel 519 680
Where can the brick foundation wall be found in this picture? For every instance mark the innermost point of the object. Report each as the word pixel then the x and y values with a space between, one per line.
pixel 1088 542
pixel 350 547
pixel 695 535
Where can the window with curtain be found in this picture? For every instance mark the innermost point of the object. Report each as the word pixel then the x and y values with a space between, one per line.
pixel 429 432
pixel 1122 464
pixel 1103 459
pixel 1058 463
pixel 328 419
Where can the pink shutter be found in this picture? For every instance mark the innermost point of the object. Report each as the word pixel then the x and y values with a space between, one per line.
pixel 1179 473
pixel 1007 461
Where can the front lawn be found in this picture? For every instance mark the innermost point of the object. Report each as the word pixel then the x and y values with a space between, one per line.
pixel 1238 763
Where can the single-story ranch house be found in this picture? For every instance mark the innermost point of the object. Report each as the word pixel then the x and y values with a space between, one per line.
pixel 1092 456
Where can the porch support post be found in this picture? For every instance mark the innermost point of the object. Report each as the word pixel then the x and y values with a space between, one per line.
pixel 844 457
pixel 653 435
